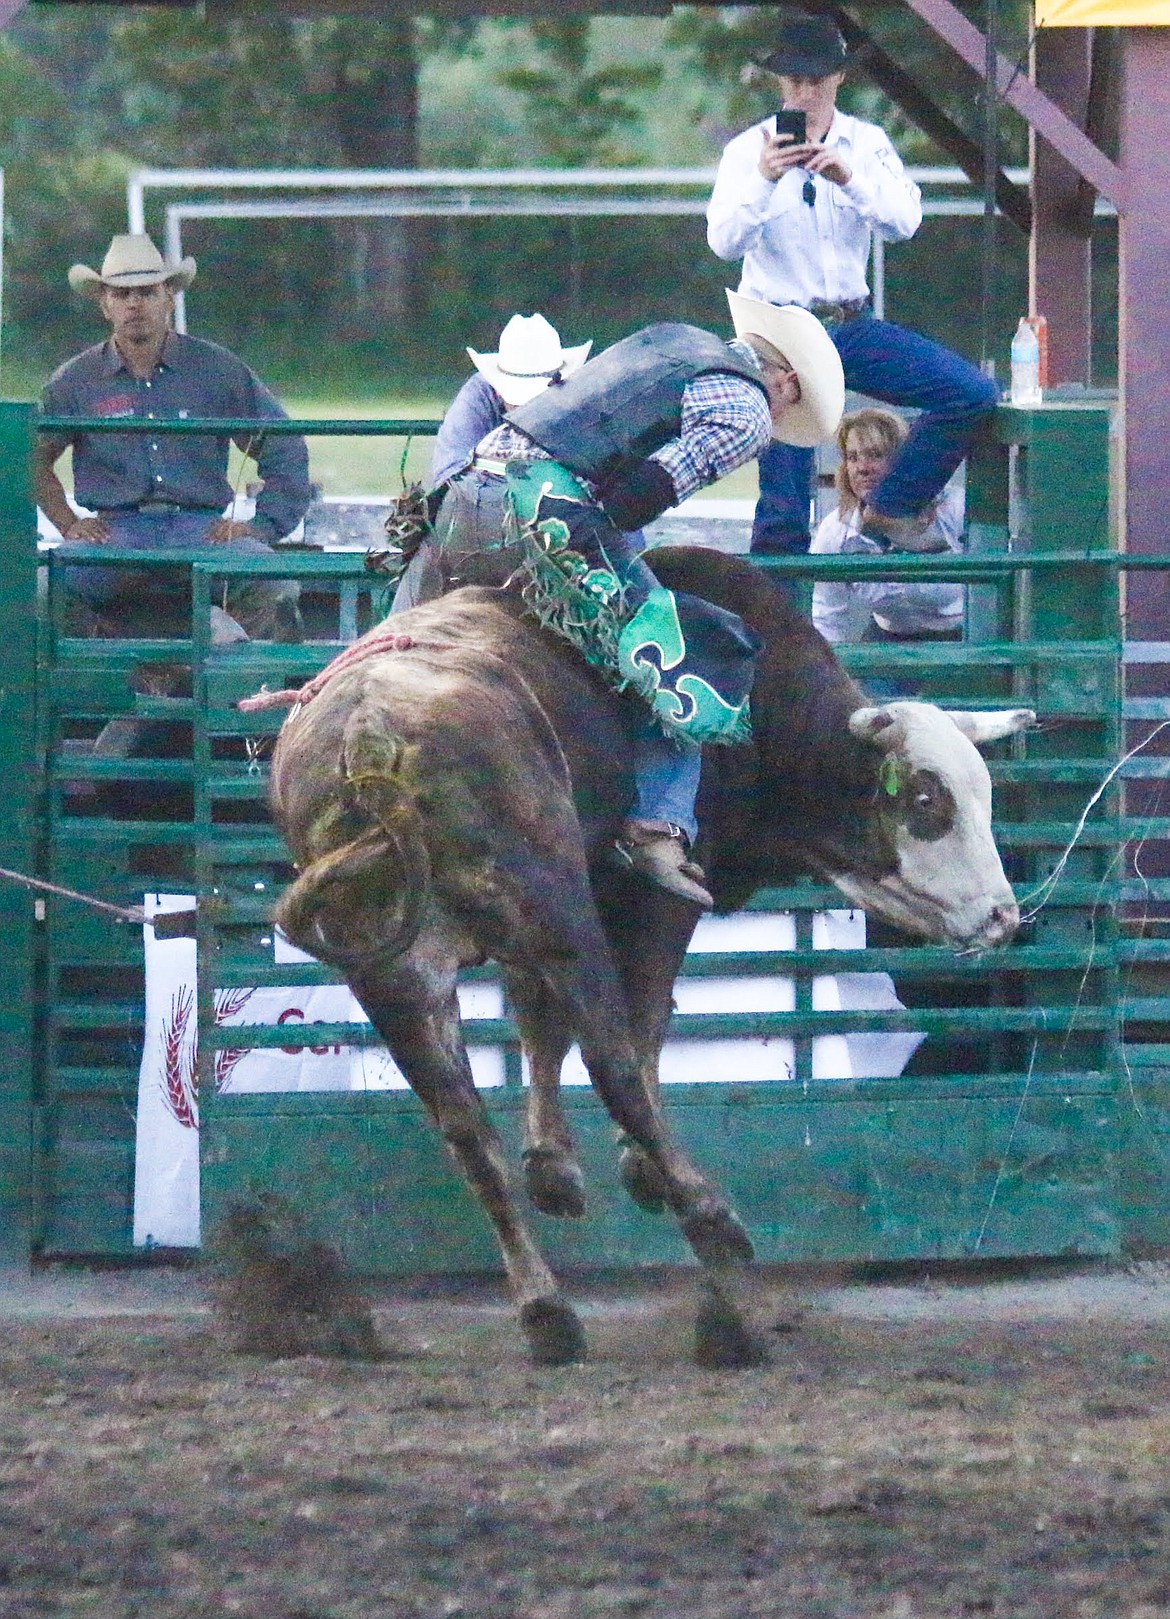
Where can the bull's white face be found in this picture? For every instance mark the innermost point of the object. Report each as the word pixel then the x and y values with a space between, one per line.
pixel 935 794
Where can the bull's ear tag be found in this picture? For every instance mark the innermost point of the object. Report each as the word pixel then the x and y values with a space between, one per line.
pixel 890 775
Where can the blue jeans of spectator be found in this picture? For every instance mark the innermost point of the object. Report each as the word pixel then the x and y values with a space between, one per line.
pixel 264 607
pixel 901 367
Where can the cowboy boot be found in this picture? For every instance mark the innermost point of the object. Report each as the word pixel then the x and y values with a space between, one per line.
pixel 918 535
pixel 658 850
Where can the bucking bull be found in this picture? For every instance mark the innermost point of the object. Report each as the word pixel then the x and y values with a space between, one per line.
pixel 451 794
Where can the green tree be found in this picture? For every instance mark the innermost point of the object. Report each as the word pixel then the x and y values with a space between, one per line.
pixel 576 110
pixel 328 93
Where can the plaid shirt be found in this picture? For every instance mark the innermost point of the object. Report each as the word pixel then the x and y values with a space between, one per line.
pixel 725 422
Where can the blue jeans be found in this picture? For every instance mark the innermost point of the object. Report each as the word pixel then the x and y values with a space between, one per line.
pixel 901 367
pixel 666 780
pixel 264 607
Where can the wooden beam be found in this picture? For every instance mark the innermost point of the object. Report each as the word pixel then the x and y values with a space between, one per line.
pixel 1019 92
pixel 1101 115
pixel 890 77
pixel 1060 251
pixel 1145 319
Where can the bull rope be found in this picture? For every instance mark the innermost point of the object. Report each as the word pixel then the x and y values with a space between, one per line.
pixel 370 646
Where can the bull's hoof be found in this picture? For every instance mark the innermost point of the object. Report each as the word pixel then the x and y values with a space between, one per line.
pixel 723 1340
pixel 555 1336
pixel 554 1183
pixel 642 1179
pixel 717 1236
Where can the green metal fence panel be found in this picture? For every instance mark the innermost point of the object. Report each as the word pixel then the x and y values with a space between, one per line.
pixel 1013 1132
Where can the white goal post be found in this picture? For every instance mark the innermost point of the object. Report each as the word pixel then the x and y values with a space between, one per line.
pixel 476 193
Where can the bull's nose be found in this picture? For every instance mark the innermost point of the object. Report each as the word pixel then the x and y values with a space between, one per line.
pixel 1002 922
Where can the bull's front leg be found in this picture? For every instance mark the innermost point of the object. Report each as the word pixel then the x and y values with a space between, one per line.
pixel 724 1334
pixel 649 931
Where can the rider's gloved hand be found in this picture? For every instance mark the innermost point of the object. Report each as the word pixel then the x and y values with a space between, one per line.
pixel 637 495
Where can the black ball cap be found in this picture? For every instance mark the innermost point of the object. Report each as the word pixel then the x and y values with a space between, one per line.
pixel 809 46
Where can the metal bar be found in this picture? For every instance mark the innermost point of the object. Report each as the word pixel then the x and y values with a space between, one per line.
pixel 1145 314
pixel 990 171
pixel 569 207
pixel 1 269
pixel 222 426
pixel 1101 114
pixel 1040 1020
pixel 446 179
pixel 917 104
pixel 414 179
pixel 173 240
pixel 1060 252
pixel 18 697
pixel 916 961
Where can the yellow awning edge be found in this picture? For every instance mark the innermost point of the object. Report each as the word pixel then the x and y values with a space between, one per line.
pixel 1103 13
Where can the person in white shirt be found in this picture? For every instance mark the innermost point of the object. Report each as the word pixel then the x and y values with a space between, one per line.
pixel 846 611
pixel 801 215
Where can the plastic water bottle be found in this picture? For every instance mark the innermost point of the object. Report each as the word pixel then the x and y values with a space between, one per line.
pixel 1025 365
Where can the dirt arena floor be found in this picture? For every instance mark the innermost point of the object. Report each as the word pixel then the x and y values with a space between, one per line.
pixel 942 1447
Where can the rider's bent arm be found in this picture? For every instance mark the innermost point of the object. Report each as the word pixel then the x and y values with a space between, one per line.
pixel 742 198
pixel 282 460
pixel 725 423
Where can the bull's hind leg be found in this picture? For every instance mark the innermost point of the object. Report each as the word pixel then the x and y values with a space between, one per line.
pixel 416 1012
pixel 552 1175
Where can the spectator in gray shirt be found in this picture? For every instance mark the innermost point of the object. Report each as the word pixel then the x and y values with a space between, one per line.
pixel 168 492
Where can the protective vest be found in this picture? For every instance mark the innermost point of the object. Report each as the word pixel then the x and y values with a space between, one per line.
pixel 626 402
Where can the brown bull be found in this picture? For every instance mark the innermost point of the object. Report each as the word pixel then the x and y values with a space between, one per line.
pixel 454 799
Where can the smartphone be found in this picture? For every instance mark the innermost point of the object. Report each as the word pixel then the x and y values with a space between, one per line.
pixel 791 121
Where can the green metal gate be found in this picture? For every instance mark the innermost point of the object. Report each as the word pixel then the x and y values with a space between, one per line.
pixel 1037 1130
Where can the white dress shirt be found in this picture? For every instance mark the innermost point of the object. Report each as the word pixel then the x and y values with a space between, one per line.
pixel 842 609
pixel 797 253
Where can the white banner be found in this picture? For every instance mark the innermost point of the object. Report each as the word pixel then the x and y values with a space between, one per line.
pixel 166 1165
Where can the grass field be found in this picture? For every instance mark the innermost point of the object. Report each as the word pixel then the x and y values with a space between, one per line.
pixel 375 466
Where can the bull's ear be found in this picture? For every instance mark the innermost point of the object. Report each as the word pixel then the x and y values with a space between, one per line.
pixel 980 728
pixel 876 725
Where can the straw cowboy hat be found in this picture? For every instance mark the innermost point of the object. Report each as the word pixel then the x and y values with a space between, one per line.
pixel 132 261
pixel 809 350
pixel 529 357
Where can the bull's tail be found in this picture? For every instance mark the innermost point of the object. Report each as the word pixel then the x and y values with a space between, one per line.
pixel 367 898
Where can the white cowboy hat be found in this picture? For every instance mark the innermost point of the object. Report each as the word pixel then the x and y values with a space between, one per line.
pixel 530 356
pixel 809 350
pixel 132 261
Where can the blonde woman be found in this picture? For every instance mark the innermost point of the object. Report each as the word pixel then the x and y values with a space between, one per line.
pixel 871 610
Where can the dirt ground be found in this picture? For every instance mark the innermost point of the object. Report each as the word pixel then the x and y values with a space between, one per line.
pixel 940 1447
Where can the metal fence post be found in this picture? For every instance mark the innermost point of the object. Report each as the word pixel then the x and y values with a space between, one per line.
pixel 18 577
